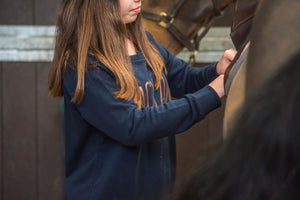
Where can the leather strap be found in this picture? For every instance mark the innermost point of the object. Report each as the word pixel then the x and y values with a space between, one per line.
pixel 216 9
pixel 174 9
pixel 180 37
pixel 235 65
pixel 151 16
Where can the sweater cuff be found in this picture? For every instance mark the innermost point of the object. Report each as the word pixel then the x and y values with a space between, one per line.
pixel 212 71
pixel 204 101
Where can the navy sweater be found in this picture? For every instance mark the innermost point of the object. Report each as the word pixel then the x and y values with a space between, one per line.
pixel 115 151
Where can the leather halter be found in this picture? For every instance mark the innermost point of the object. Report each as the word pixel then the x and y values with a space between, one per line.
pixel 166 20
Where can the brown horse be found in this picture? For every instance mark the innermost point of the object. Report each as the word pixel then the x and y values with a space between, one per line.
pixel 175 23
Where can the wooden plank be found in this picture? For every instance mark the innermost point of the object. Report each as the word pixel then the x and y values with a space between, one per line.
pixel 192 148
pixel 1 134
pixel 26 56
pixel 16 12
pixel 27 43
pixel 49 120
pixel 19 132
pixel 202 57
pixel 197 144
pixel 26 31
pixel 46 11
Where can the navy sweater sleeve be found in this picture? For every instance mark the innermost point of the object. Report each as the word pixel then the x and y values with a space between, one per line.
pixel 182 77
pixel 122 121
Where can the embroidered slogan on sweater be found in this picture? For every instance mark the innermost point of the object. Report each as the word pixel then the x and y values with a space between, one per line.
pixel 148 97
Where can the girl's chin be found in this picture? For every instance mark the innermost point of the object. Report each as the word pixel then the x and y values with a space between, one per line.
pixel 129 20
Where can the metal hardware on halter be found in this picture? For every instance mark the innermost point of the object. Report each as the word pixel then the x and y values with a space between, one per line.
pixel 192 58
pixel 165 20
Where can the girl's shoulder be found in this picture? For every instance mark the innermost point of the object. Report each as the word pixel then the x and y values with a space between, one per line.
pixel 162 50
pixel 150 37
pixel 93 66
pixel 97 65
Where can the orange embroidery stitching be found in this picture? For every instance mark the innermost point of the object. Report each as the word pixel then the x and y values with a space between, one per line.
pixel 165 96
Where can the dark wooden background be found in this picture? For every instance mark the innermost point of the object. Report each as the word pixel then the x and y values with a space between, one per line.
pixel 31 158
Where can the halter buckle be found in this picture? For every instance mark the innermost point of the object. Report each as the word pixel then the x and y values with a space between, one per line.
pixel 165 20
pixel 192 59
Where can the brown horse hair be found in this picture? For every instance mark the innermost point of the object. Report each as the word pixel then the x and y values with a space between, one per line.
pixel 95 27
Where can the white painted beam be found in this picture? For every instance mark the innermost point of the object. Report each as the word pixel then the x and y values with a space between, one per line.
pixel 36 44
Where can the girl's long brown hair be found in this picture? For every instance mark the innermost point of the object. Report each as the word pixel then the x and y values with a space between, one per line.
pixel 95 26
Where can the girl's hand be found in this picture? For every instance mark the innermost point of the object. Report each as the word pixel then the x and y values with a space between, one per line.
pixel 226 59
pixel 218 85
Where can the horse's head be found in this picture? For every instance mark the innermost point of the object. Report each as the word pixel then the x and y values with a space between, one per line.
pixel 174 23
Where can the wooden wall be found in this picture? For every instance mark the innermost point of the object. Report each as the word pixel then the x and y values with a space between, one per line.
pixel 31 166
pixel 31 123
pixel 29 12
pixel 204 138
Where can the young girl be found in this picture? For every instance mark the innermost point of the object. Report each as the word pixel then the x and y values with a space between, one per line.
pixel 117 84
